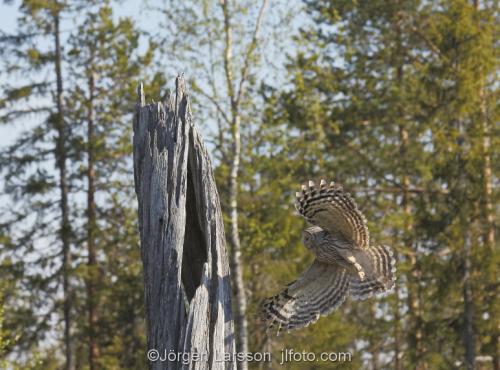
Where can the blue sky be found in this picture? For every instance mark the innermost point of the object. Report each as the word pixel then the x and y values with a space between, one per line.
pixel 8 16
pixel 8 20
pixel 148 21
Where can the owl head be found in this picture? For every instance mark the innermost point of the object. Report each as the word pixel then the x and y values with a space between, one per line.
pixel 311 235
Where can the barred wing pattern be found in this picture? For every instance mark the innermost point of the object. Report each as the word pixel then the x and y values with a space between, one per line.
pixel 318 291
pixel 347 263
pixel 383 278
pixel 334 210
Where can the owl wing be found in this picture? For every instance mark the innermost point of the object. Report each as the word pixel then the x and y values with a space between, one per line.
pixel 334 210
pixel 380 272
pixel 318 291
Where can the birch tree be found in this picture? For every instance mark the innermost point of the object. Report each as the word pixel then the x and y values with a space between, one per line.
pixel 220 46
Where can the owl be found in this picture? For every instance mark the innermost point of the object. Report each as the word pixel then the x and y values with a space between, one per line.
pixel 345 262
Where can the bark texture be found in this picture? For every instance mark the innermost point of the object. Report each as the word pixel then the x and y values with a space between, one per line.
pixel 235 95
pixel 61 155
pixel 468 329
pixel 234 236
pixel 186 272
pixel 92 273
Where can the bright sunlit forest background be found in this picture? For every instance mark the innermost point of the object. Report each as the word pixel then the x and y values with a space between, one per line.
pixel 395 99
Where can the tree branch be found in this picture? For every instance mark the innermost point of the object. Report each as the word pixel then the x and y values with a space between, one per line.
pixel 251 48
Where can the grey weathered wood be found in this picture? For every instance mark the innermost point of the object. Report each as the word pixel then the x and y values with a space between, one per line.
pixel 186 273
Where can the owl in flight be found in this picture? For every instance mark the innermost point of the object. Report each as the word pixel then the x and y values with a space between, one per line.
pixel 345 261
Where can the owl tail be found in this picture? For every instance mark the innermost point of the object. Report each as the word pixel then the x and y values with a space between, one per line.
pixel 376 272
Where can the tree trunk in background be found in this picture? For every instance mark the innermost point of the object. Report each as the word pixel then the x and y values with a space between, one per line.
pixel 186 272
pixel 468 335
pixel 397 314
pixel 92 268
pixel 397 326
pixel 65 231
pixel 489 214
pixel 405 181
pixel 487 205
pixel 487 175
pixel 414 271
pixel 234 237
pixel 468 331
pixel 374 347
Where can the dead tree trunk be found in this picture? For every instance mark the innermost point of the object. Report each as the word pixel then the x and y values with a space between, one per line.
pixel 186 273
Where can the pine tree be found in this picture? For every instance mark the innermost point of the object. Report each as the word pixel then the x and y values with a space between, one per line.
pixel 40 206
pixel 31 258
pixel 106 68
pixel 386 96
pixel 465 61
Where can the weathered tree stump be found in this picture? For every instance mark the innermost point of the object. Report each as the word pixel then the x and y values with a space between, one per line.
pixel 186 272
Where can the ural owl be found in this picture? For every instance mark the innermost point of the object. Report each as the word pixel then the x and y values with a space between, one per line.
pixel 345 261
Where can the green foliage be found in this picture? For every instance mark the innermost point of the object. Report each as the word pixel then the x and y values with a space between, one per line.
pixel 395 100
pixel 105 50
pixel 386 99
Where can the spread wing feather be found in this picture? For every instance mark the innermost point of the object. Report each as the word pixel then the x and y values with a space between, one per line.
pixel 318 291
pixel 383 276
pixel 334 210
